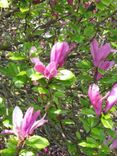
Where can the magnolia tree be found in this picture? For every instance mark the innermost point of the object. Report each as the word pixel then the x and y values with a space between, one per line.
pixel 58 68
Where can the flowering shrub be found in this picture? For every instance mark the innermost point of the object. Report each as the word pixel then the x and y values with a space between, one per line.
pixel 58 57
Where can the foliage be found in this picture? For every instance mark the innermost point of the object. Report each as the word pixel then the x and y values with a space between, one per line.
pixel 73 125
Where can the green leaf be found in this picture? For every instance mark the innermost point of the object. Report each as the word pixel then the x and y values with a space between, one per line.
pixel 107 2
pixel 11 147
pixel 65 75
pixel 37 142
pixel 26 153
pixel 84 64
pixel 90 145
pixel 89 31
pixel 6 123
pixel 1 100
pixel 41 90
pixel 68 122
pixel 33 74
pixel 107 123
pixel 100 6
pixel 4 4
pixel 101 71
pixel 16 56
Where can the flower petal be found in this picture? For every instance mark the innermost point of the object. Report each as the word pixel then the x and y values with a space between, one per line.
pixel 7 132
pixel 59 52
pixel 94 51
pixel 38 124
pixel 35 60
pixel 112 98
pixel 33 119
pixel 39 67
pixel 104 51
pixel 27 119
pixel 95 98
pixel 17 118
pixel 51 70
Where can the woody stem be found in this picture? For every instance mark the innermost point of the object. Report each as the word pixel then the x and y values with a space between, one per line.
pixel 19 147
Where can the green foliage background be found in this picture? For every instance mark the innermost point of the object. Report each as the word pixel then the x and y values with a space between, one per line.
pixel 72 123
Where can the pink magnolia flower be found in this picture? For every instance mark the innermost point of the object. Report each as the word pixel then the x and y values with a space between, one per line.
pixel 112 98
pixel 59 52
pixel 58 55
pixel 95 98
pixel 24 127
pixel 99 55
pixel 49 71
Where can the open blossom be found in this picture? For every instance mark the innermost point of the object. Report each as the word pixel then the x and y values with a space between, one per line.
pixel 48 71
pixel 23 127
pixel 100 55
pixel 58 55
pixel 96 99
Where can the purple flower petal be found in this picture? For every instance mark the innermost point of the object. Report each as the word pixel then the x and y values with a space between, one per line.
pixel 104 51
pixel 38 124
pixel 33 119
pixel 94 52
pixel 112 98
pixel 95 98
pixel 27 117
pixel 51 70
pixel 40 68
pixel 7 132
pixel 59 52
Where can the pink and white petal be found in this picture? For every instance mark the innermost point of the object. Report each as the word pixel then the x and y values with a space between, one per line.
pixel 112 98
pixel 7 132
pixel 93 91
pixel 35 60
pixel 17 118
pixel 27 118
pixel 37 124
pixel 33 119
